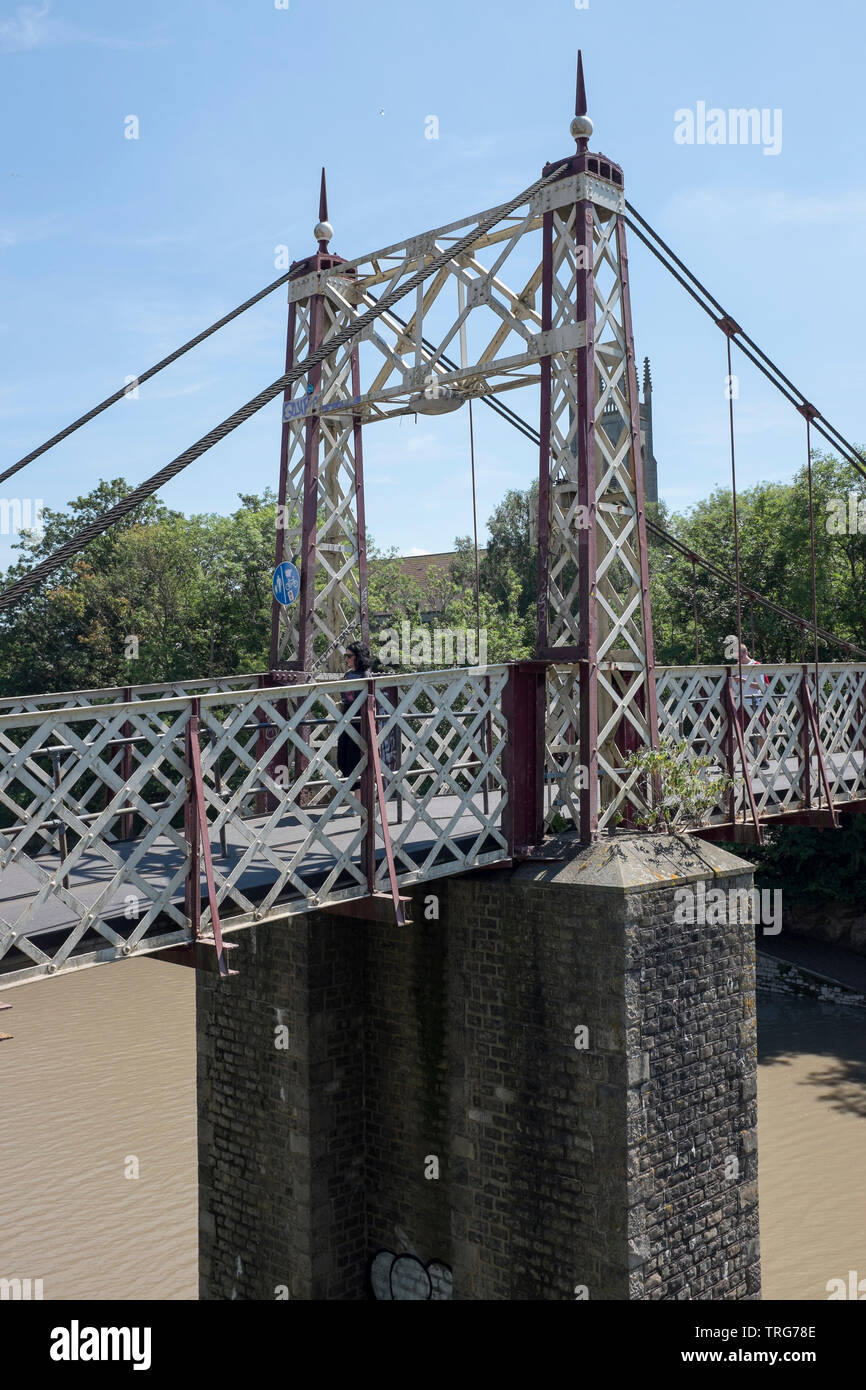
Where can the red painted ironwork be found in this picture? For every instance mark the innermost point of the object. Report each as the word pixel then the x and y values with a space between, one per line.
pixel 282 519
pixel 822 767
pixel 199 843
pixel 735 724
pixel 523 705
pixel 373 759
pixel 639 493
pixel 544 432
pixel 586 492
pixel 804 739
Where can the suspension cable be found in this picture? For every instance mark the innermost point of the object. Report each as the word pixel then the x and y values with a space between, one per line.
pixel 729 327
pixel 337 340
pixel 143 376
pixel 708 303
pixel 807 412
pixel 750 349
pixel 517 422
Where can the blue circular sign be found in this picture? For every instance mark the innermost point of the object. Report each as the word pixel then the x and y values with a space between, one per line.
pixel 286 583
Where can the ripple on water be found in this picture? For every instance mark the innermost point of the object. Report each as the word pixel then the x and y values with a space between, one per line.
pixel 102 1066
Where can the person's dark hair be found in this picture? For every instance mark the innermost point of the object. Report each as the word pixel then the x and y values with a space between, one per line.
pixel 363 659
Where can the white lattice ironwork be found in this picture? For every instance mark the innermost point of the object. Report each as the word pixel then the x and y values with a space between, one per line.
pixel 840 704
pixel 565 775
pixel 324 532
pixel 467 311
pixel 72 891
pixel 468 333
pixel 115 694
pixel 447 735
pixel 784 764
pixel 595 600
pixel 95 842
pixel 299 846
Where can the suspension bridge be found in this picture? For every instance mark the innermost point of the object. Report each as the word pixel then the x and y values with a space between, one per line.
pixel 141 820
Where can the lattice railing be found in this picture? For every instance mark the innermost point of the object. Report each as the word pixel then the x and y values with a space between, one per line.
pixel 99 855
pixel 841 709
pixel 92 845
pixel 564 774
pixel 99 852
pixel 447 741
pixel 786 768
pixel 115 694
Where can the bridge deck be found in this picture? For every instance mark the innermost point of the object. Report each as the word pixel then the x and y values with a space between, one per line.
pixel 94 880
pixel 102 798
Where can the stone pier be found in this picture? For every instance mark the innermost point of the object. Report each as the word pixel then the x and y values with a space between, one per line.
pixel 545 1088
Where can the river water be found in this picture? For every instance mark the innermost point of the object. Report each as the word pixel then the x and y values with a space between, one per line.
pixel 99 1083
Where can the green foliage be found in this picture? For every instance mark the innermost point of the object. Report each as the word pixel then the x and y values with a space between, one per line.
pixel 773 528
pixel 680 789
pixel 813 864
pixel 195 592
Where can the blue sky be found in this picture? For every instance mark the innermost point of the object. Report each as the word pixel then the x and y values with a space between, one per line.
pixel 113 251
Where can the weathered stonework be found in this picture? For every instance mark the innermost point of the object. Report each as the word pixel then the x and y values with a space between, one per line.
pixel 624 1166
pixel 783 977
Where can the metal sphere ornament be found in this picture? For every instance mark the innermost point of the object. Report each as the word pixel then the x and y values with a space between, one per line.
pixel 581 127
pixel 323 231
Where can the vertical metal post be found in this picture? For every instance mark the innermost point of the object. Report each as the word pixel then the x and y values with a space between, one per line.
pixel 126 767
pixel 804 738
pixel 729 747
pixel 191 829
pixel 375 767
pixel 309 519
pixel 586 543
pixel 523 705
pixel 368 796
pixel 282 519
pixel 544 446
pixel 360 512
pixel 639 491
pixel 62 843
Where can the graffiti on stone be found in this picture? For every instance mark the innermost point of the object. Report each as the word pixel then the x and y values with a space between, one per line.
pixel 395 1277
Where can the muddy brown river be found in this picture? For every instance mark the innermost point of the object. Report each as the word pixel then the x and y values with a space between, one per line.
pixel 99 1084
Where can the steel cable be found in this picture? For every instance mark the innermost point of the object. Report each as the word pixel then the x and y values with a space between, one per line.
pixel 144 376
pixel 337 340
pixel 746 345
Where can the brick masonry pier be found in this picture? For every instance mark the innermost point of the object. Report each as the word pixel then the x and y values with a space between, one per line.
pixel 544 1088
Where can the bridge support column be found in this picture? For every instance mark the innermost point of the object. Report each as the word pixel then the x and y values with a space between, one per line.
pixel 545 1089
pixel 280 1077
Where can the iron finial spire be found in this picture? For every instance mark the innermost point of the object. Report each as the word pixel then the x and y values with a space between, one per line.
pixel 323 231
pixel 580 93
pixel 581 126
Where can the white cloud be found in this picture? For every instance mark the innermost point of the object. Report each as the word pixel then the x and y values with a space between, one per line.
pixel 32 28
pixel 416 551
pixel 38 229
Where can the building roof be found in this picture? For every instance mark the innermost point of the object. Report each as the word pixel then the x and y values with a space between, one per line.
pixel 417 567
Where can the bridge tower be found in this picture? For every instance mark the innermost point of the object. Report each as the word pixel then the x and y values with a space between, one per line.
pixel 593 590
pixel 320 519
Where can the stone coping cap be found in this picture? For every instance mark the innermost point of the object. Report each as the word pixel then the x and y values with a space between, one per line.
pixel 633 863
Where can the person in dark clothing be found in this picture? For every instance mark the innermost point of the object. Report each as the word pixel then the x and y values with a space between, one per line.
pixel 358 663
